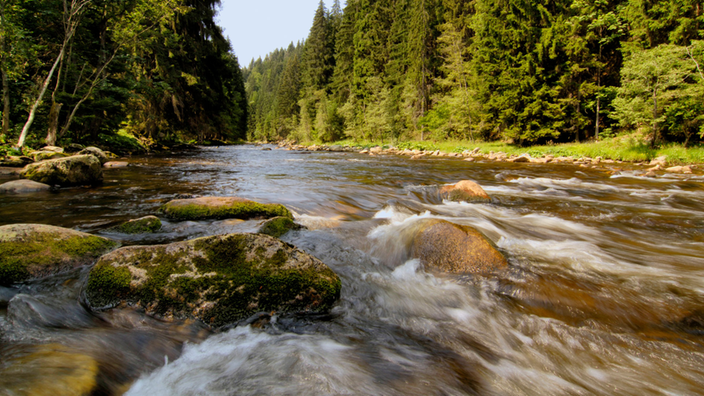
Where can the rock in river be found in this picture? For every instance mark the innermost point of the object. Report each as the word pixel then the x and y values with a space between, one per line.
pixel 466 190
pixel 219 280
pixel 142 225
pixel 23 186
pixel 221 208
pixel 30 251
pixel 48 370
pixel 278 226
pixel 446 247
pixel 78 170
pixel 96 152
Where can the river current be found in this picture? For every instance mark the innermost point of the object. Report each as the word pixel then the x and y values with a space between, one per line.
pixel 604 296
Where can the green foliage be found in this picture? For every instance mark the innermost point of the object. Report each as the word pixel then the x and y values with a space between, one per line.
pixel 159 70
pixel 657 83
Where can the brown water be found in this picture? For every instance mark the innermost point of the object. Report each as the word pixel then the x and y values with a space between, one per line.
pixel 605 294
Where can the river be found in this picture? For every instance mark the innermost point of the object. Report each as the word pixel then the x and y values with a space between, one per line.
pixel 604 296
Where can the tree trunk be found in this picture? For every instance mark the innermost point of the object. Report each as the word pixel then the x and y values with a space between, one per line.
pixel 655 119
pixel 5 107
pixel 33 110
pixel 53 123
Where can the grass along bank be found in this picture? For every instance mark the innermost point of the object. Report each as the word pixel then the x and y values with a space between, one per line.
pixel 623 148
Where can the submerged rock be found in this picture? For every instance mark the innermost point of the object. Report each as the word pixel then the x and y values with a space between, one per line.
pixel 466 190
pixel 31 251
pixel 221 208
pixel 78 170
pixel 278 226
pixel 142 225
pixel 23 186
pixel 446 247
pixel 96 152
pixel 219 280
pixel 49 370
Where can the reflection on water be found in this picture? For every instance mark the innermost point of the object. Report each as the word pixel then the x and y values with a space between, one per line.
pixel 604 295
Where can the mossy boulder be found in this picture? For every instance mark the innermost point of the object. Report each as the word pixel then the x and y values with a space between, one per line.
pixel 78 170
pixel 144 225
pixel 451 248
pixel 278 226
pixel 23 186
pixel 31 251
pixel 45 155
pixel 16 161
pixel 466 190
pixel 96 152
pixel 219 280
pixel 48 370
pixel 221 208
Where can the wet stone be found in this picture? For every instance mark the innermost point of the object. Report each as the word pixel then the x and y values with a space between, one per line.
pixel 450 248
pixel 31 251
pixel 221 208
pixel 219 280
pixel 48 370
pixel 23 186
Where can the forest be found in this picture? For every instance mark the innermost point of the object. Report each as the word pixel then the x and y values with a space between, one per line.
pixel 525 72
pixel 117 73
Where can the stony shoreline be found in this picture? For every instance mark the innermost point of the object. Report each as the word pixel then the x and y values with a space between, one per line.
pixel 653 168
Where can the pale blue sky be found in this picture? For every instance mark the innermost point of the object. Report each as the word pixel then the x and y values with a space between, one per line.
pixel 257 27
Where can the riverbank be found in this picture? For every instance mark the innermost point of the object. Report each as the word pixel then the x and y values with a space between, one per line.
pixel 624 148
pixel 673 161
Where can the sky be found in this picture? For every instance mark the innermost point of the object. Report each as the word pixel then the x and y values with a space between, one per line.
pixel 258 27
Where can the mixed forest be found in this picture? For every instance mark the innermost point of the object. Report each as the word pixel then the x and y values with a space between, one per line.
pixel 527 72
pixel 106 71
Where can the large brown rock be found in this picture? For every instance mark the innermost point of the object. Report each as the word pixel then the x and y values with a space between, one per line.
pixel 219 280
pixel 221 208
pixel 466 190
pixel 78 170
pixel 30 251
pixel 450 248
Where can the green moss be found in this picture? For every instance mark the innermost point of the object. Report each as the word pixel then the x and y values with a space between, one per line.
pixel 238 210
pixel 107 285
pixel 237 285
pixel 145 225
pixel 278 226
pixel 44 254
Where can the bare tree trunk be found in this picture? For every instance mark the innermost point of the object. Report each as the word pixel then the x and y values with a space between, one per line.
pixel 5 106
pixel 5 84
pixel 72 16
pixel 598 92
pixel 53 123
pixel 655 118
pixel 33 110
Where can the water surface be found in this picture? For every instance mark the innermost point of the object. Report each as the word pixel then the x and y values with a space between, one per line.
pixel 605 292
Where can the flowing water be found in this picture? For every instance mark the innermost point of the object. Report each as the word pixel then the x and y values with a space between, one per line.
pixel 604 295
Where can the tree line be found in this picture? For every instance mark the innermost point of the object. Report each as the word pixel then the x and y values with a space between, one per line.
pixel 91 70
pixel 523 71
